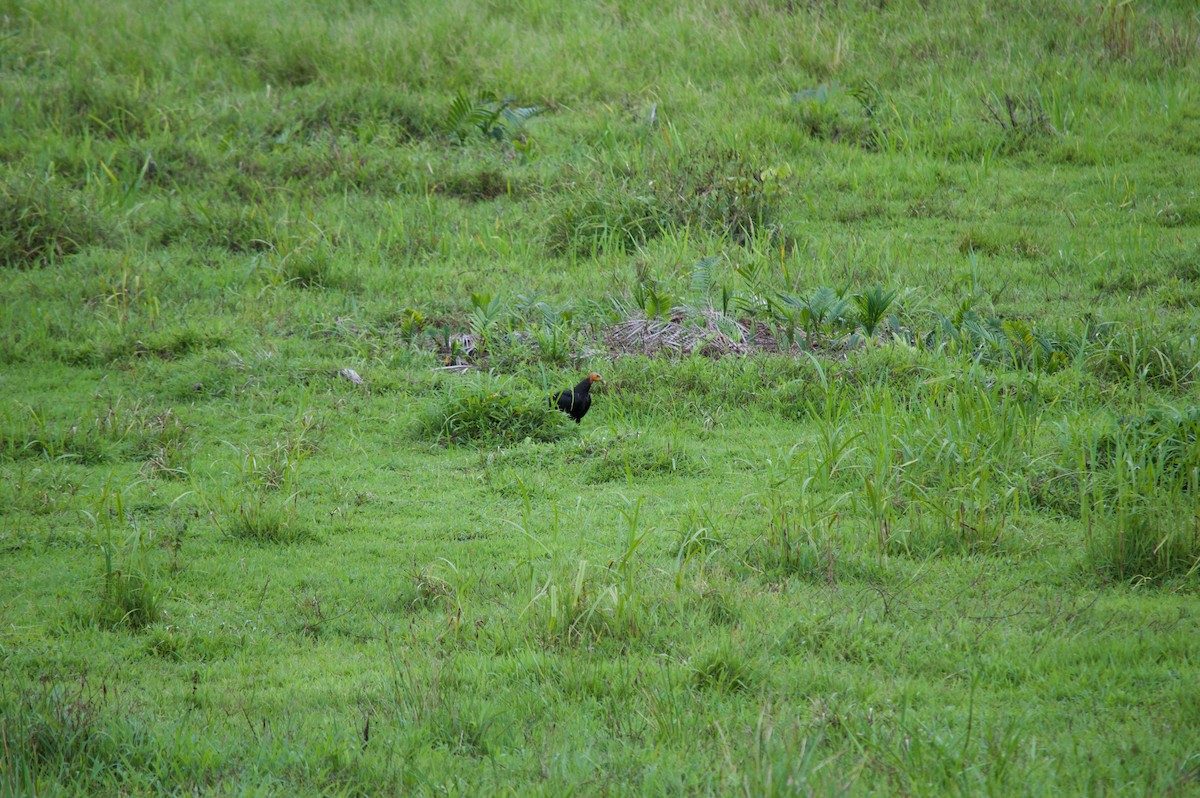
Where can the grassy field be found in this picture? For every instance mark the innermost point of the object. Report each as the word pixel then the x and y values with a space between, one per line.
pixel 893 486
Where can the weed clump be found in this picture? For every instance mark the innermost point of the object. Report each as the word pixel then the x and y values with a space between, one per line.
pixel 726 669
pixel 112 109
pixel 54 734
pixel 165 641
pixel 265 507
pixel 264 520
pixel 997 243
pixel 1168 438
pixel 718 191
pixel 131 595
pixel 633 461
pixel 824 113
pixel 243 229
pixel 1136 356
pixel 1020 118
pixel 860 641
pixel 572 604
pixel 318 112
pixel 131 599
pixel 1148 543
pixel 164 447
pixel 312 267
pixel 801 542
pixel 85 442
pixel 476 185
pixel 41 222
pixel 485 410
pixel 1139 503
pixel 607 219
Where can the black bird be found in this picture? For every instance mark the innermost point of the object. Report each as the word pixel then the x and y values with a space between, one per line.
pixel 575 402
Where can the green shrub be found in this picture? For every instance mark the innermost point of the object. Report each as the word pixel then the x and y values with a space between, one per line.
pixel 727 195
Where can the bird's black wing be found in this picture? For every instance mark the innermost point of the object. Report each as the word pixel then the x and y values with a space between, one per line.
pixel 580 402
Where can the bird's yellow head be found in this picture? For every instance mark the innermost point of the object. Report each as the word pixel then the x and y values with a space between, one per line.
pixel 595 378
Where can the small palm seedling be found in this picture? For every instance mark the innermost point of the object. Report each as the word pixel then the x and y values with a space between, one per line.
pixel 412 322
pixel 494 119
pixel 489 315
pixel 703 275
pixel 821 310
pixel 653 297
pixel 873 306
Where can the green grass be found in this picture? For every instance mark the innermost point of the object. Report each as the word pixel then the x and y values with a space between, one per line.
pixel 893 485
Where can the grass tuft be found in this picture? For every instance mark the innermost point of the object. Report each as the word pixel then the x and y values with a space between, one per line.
pixel 485 409
pixel 726 668
pixel 1149 543
pixel 1001 243
pixel 263 519
pixel 41 222
pixel 312 267
pixel 132 594
pixel 50 734
pixel 606 219
pixel 636 459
